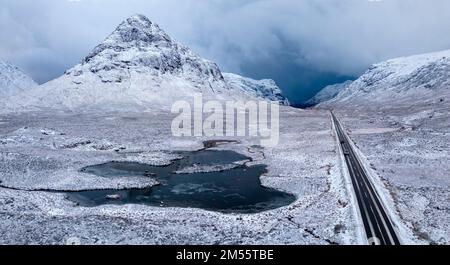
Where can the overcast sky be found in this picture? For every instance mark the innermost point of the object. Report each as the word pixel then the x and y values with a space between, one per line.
pixel 302 44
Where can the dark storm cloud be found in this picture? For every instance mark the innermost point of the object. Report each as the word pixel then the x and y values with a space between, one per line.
pixel 303 44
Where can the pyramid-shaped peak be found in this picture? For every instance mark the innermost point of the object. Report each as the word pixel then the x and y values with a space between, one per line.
pixel 139 18
pixel 136 32
pixel 137 21
pixel 138 28
pixel 13 80
pixel 7 65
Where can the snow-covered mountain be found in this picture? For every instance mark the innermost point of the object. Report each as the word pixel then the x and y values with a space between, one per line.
pixel 137 67
pixel 265 89
pixel 327 93
pixel 420 79
pixel 13 80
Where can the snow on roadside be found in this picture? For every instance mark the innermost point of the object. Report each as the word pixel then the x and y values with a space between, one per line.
pixel 305 164
pixel 409 167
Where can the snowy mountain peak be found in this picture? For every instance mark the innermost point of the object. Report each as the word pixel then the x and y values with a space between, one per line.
pixel 140 28
pixel 141 46
pixel 136 31
pixel 13 80
pixel 140 23
pixel 139 67
pixel 418 79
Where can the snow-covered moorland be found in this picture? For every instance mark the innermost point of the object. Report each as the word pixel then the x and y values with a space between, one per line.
pixel 408 152
pixel 45 151
pixel 113 107
pixel 398 115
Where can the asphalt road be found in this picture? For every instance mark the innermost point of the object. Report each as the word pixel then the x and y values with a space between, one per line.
pixel 378 226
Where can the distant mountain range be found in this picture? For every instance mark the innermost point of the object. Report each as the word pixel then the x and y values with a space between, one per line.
pixel 328 93
pixel 406 81
pixel 138 67
pixel 13 80
pixel 261 89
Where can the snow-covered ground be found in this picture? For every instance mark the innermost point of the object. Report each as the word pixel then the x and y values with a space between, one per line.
pixel 41 154
pixel 398 115
pixel 408 151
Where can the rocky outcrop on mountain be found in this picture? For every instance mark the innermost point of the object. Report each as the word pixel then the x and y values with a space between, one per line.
pixel 141 46
pixel 265 89
pixel 138 67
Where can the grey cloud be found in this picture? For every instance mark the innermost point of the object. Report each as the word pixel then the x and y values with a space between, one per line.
pixel 303 44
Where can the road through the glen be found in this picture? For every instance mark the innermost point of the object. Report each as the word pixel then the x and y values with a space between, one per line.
pixel 378 226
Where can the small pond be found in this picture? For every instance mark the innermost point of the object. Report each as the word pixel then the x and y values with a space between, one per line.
pixel 230 186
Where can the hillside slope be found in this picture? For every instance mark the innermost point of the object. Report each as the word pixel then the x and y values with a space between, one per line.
pixel 420 79
pixel 138 67
pixel 13 80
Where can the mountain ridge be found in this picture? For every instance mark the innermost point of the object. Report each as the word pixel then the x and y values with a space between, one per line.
pixel 137 67
pixel 328 93
pixel 261 89
pixel 417 79
pixel 13 80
